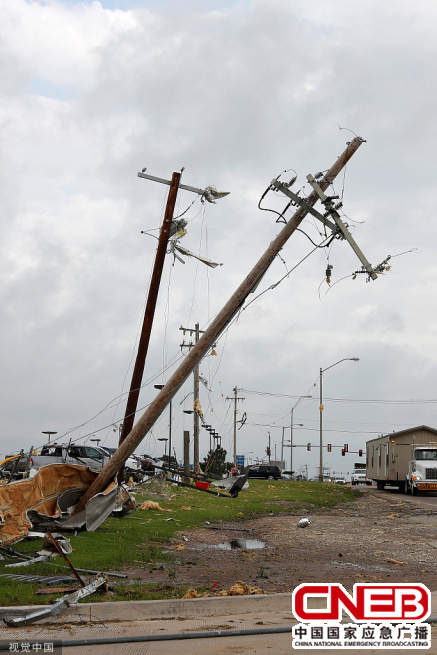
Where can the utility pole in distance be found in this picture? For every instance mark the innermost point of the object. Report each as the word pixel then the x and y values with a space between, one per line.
pixel 235 399
pixel 217 326
pixel 196 333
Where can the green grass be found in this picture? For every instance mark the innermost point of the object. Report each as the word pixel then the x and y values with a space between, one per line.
pixel 139 539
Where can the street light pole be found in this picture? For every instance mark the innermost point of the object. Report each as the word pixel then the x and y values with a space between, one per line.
pixel 291 433
pixel 165 449
pixel 49 432
pixel 291 436
pixel 345 359
pixel 161 386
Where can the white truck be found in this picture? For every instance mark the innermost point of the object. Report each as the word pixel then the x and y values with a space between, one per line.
pixel 422 470
pixel 406 459
pixel 93 457
pixel 359 474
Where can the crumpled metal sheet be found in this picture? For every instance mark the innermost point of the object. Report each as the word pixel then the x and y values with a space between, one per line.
pixel 97 510
pixel 36 499
pixel 61 604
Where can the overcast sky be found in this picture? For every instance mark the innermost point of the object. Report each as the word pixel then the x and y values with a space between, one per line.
pixel 235 92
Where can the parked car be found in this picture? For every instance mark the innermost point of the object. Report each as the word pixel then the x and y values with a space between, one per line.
pixel 93 457
pixel 15 466
pixel 132 466
pixel 147 464
pixel 265 472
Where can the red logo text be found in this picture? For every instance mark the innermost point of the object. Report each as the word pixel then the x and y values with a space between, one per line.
pixel 369 602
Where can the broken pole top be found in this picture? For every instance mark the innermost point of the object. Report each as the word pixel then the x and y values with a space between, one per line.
pixel 223 318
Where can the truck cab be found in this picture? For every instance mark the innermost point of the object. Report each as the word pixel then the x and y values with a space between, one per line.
pixel 422 470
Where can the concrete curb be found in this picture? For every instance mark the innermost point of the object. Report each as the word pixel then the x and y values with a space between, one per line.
pixel 141 610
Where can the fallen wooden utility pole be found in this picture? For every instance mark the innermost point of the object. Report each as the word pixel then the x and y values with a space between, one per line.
pixel 234 304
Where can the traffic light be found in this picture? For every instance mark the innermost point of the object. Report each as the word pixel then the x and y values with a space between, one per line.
pixel 268 451
pixel 329 447
pixel 360 453
pixel 308 446
pixel 343 452
pixel 346 448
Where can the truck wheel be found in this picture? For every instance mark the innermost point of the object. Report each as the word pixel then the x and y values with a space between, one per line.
pixel 414 490
pixel 406 488
pixel 380 486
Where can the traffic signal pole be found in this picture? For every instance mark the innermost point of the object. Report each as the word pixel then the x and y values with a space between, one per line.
pixel 211 334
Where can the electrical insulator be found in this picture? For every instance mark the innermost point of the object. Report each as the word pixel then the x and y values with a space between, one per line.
pixel 318 176
pixel 291 182
pixel 328 273
pixel 339 205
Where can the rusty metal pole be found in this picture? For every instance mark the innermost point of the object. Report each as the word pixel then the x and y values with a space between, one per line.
pixel 205 342
pixel 143 345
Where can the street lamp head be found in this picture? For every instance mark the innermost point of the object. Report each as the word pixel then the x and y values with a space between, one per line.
pixel 158 386
pixel 162 439
pixel 355 359
pixel 188 411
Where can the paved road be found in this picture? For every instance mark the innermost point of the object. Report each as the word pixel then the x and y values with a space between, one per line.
pixel 427 501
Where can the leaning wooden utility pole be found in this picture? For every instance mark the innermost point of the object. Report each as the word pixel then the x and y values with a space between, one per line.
pixel 143 345
pixel 217 326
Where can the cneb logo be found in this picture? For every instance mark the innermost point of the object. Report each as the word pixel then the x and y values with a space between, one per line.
pixel 369 602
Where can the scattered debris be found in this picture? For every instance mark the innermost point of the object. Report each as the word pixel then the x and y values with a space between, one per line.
pixel 186 509
pixel 304 523
pixel 192 593
pixel 47 580
pixel 60 605
pixel 238 589
pixel 150 504
pixel 124 502
pixel 47 499
pixel 241 589
pixel 45 591
pixel 26 562
pixel 61 552
pixel 394 561
pixel 53 543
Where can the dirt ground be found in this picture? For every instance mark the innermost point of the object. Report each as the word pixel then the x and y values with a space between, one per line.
pixel 353 542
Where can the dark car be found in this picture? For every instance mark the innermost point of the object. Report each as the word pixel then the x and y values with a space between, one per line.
pixel 147 463
pixel 266 472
